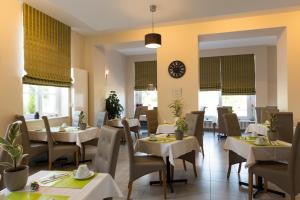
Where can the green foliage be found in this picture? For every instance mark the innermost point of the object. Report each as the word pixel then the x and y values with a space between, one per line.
pixel 31 107
pixel 14 150
pixel 176 106
pixel 113 106
pixel 273 120
pixel 82 118
pixel 181 125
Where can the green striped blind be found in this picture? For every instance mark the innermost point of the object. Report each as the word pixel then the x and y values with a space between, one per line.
pixel 145 74
pixel 210 73
pixel 238 75
pixel 47 49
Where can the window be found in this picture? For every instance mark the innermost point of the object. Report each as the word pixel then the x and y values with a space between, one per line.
pixel 242 105
pixel 146 98
pixel 47 100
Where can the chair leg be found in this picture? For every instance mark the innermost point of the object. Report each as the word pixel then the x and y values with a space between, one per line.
pixel 202 151
pixel 184 165
pixel 160 176
pixel 229 170
pixel 250 185
pixel 50 165
pixel 265 185
pixel 76 156
pixel 240 167
pixel 195 170
pixel 83 152
pixel 129 189
pixel 164 177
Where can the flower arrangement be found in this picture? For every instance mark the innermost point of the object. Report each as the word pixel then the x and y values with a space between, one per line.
pixel 177 107
pixel 14 150
pixel 271 124
pixel 181 125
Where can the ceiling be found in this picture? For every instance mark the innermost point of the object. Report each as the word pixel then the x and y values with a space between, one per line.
pixel 94 16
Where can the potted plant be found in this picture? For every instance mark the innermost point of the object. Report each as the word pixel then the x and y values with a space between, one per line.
pixel 177 107
pixel 271 125
pixel 181 128
pixel 113 106
pixel 82 122
pixel 15 176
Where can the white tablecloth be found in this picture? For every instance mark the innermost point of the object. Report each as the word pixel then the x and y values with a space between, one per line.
pixel 166 128
pixel 257 128
pixel 102 186
pixel 71 134
pixel 253 153
pixel 118 123
pixel 172 149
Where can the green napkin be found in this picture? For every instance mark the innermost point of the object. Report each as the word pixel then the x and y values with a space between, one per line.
pixel 70 182
pixel 278 144
pixel 34 196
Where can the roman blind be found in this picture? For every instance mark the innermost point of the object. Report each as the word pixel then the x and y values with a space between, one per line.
pixel 145 74
pixel 47 49
pixel 238 75
pixel 210 73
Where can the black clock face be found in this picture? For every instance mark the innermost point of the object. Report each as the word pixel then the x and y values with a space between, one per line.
pixel 176 69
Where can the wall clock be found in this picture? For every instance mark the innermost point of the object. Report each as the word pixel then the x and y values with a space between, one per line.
pixel 176 69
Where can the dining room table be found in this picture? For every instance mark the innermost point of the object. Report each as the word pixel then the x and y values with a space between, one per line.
pixel 134 126
pixel 166 128
pixel 61 185
pixel 260 129
pixel 247 147
pixel 66 134
pixel 167 147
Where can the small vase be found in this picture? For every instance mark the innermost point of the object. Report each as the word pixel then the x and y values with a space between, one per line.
pixel 16 179
pixel 178 135
pixel 82 126
pixel 273 136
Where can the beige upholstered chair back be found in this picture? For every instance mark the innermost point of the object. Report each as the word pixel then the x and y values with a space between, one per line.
pixel 107 150
pixel 221 111
pixel 294 162
pixel 25 136
pixel 102 119
pixel 192 122
pixel 232 125
pixel 152 121
pixel 258 111
pixel 49 134
pixel 266 112
pixel 140 110
pixel 129 142
pixel 199 132
pixel 284 126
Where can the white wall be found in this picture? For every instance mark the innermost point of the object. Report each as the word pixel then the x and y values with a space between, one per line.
pixel 265 71
pixel 77 45
pixel 130 80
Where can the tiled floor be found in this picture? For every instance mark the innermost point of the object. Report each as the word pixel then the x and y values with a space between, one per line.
pixel 211 183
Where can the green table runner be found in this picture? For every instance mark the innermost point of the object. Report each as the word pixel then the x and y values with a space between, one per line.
pixel 165 139
pixel 70 182
pixel 251 140
pixel 34 196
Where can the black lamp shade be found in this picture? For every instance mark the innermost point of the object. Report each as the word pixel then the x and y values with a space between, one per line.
pixel 153 40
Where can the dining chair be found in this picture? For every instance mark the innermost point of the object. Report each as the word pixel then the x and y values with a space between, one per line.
pixel 221 127
pixel 31 148
pixel 232 127
pixel 152 121
pixel 265 113
pixel 56 149
pixel 200 132
pixel 143 164
pixel 140 110
pixel 194 123
pixel 285 176
pixel 107 152
pixel 284 125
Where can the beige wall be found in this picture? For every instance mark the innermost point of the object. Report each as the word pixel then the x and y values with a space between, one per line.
pixel 180 42
pixel 11 62
pixel 265 71
pixel 130 80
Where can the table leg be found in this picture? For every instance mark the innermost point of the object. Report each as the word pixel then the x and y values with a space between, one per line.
pixel 170 175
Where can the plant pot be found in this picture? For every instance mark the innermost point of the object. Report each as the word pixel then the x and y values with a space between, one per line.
pixel 82 126
pixel 178 135
pixel 16 179
pixel 273 136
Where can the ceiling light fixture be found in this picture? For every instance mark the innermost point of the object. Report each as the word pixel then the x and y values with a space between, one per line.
pixel 153 40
